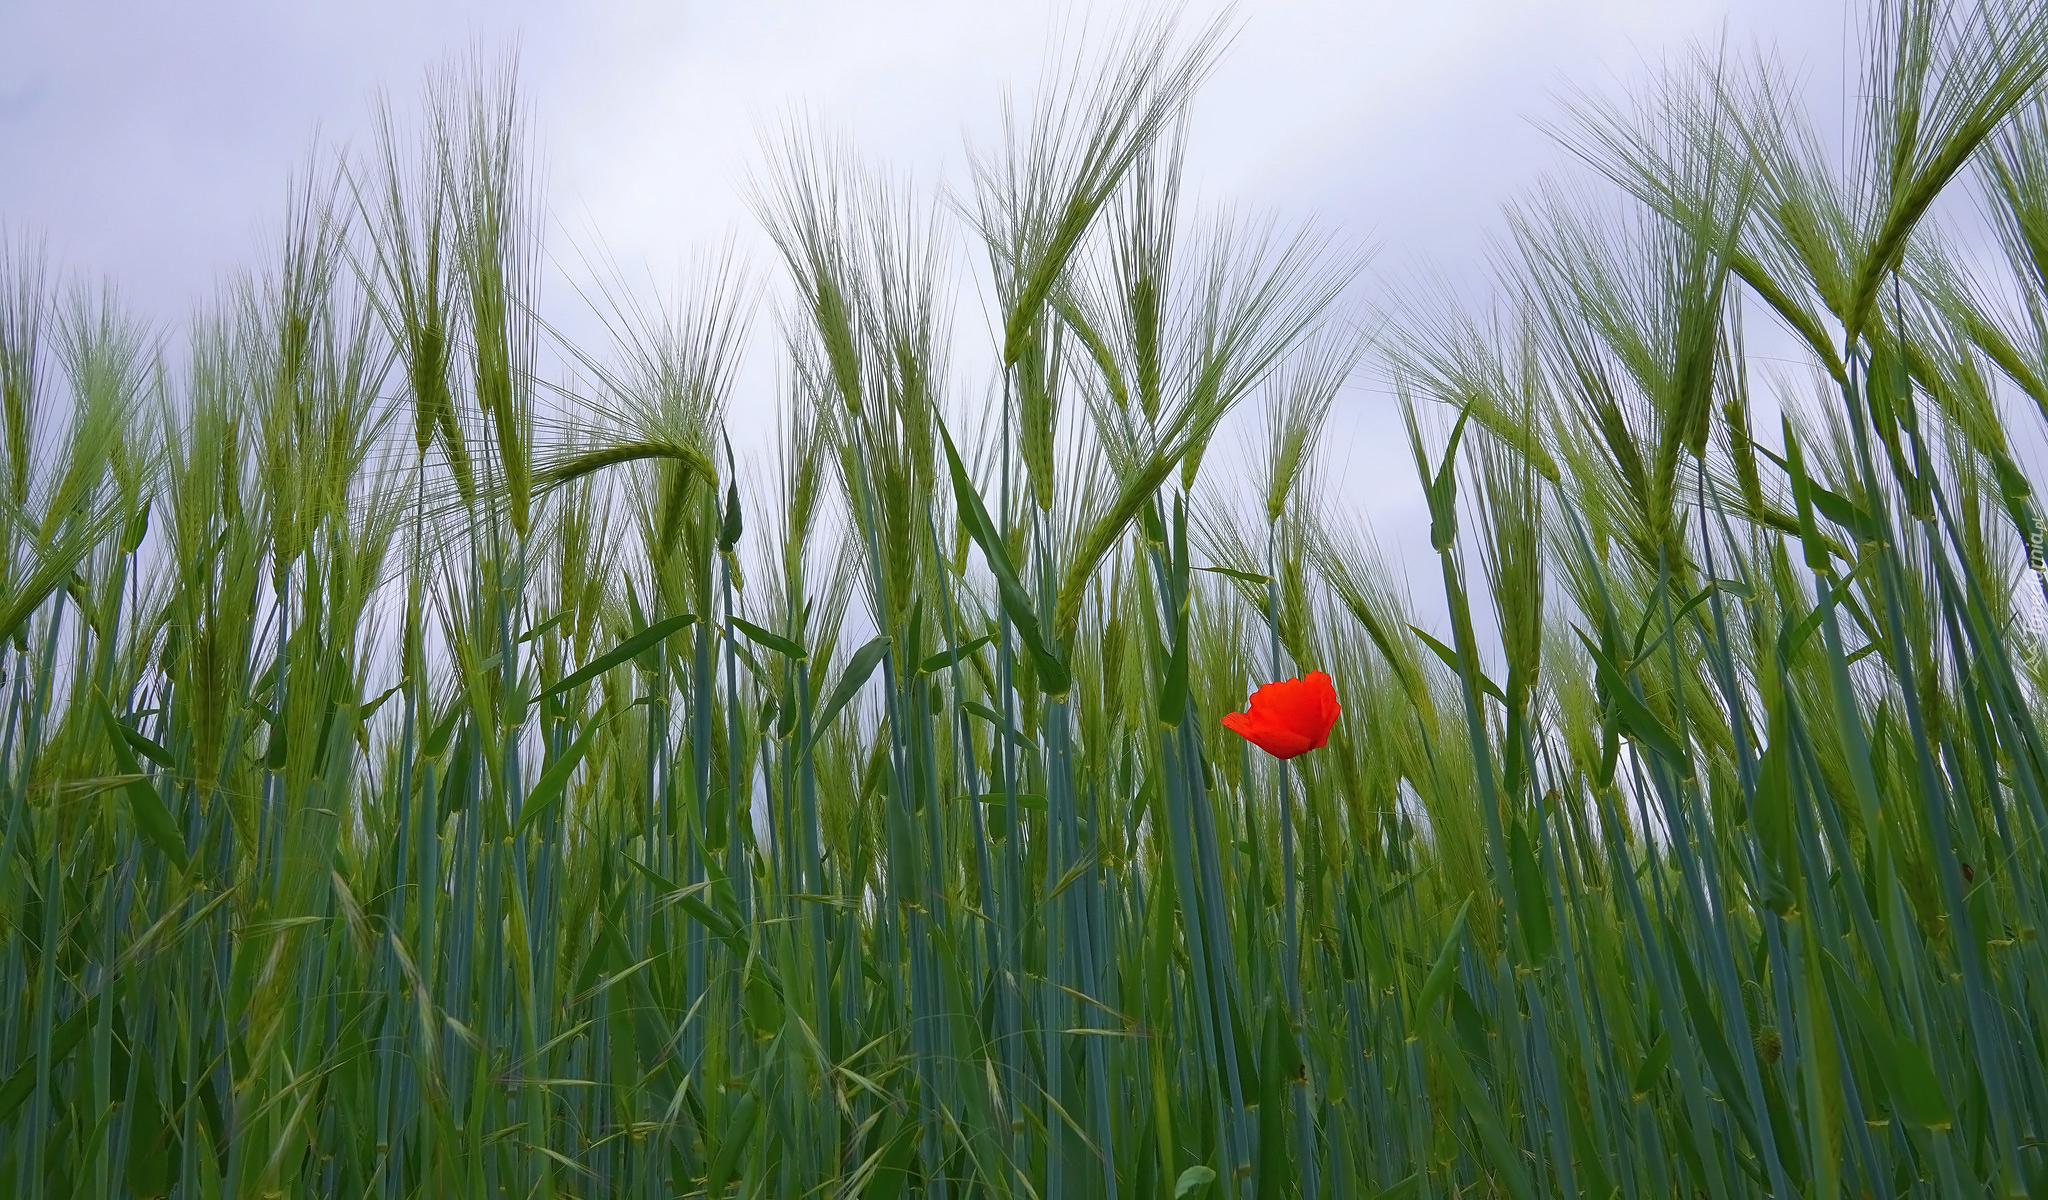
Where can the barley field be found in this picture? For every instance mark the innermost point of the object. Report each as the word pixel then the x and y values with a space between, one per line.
pixel 436 760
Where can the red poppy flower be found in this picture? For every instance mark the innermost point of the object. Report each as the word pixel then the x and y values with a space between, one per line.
pixel 1290 717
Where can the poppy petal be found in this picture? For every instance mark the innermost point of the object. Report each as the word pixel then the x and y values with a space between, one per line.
pixel 1288 717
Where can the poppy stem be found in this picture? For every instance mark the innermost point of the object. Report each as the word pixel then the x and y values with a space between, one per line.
pixel 1290 959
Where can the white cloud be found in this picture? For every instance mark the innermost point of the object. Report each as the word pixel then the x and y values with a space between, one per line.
pixel 152 142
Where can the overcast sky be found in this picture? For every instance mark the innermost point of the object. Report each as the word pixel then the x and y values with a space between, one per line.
pixel 151 142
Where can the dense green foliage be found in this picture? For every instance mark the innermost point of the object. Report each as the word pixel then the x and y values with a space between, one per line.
pixel 421 781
